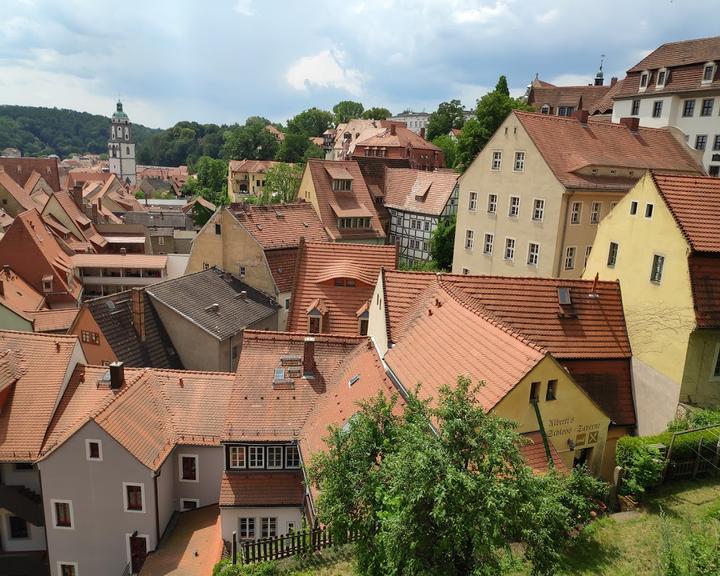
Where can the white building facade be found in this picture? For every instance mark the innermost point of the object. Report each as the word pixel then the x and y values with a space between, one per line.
pixel 121 147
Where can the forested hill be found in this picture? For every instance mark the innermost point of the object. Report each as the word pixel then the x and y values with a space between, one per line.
pixel 40 131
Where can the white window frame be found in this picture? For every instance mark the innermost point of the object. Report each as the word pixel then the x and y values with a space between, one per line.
pixel 491 237
pixel 588 250
pixel 595 211
pixel 180 467
pixel 519 161
pixel 652 269
pixel 510 207
pixel 492 203
pixel 712 74
pixel 644 84
pixel 538 208
pixel 62 563
pixel 262 527
pixel 250 449
pixel 182 504
pixel 573 213
pixel 469 239
pixel 161 240
pixel 247 528
pixel 530 254
pixel 53 502
pixel 89 441
pixel 125 486
pixel 713 376
pixel 572 258
pixel 505 253
pixel 472 202
pixel 245 462
pixel 496 162
pixel 297 451
pixel 665 78
pixel 267 457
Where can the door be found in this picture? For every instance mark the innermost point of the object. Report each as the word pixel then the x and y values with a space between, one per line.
pixel 138 552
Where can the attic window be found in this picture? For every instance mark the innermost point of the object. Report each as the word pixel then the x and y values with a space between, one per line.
pixel 708 73
pixel 353 380
pixel 291 361
pixel 47 283
pixel 343 184
pixel 564 296
pixel 644 80
pixel 661 77
pixel 279 374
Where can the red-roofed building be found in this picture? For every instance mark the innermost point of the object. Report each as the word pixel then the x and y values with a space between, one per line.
pixel 531 201
pixel 547 98
pixel 21 170
pixel 397 141
pixel 13 198
pixel 333 286
pixel 247 177
pixel 662 244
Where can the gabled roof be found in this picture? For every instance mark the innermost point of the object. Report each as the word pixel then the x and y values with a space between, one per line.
pixel 145 261
pixel 81 221
pixel 280 225
pixel 252 166
pixel 17 192
pixel 585 97
pixel 681 53
pixel 282 267
pixel 20 169
pixel 40 364
pixel 694 202
pixel 402 137
pixel 568 146
pixel 18 294
pixel 355 202
pixel 705 283
pixel 262 489
pixel 114 315
pixel 59 320
pixel 319 264
pixel 419 191
pixel 195 296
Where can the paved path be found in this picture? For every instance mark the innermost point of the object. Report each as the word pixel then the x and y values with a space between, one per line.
pixel 192 549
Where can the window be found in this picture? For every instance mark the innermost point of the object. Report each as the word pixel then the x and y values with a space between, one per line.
pixel 688 108
pixel 188 467
pixel 545 109
pixel 67 569
pixel 161 240
pixel 274 456
pixel 134 495
pixel 661 75
pixel 242 271
pixel 657 268
pixel 635 110
pixel 633 208
pixel 595 212
pixel 292 457
pixel 519 162
pixel 538 209
pixel 575 213
pixel 707 107
pixel 497 160
pixel 700 141
pixel 247 528
pixel 648 210
pixel 708 73
pixel 314 324
pixel 514 207
pixel 472 205
pixel 509 248
pixel 492 203
pixel 90 337
pixel 18 528
pixel 534 391
pixel 47 283
pixel 714 170
pixel 343 184
pixel 206 265
pixel 612 254
pixel 612 205
pixel 93 450
pixel 533 253
pixel 488 244
pixel 588 249
pixel 62 513
pixel 643 80
pixel 256 456
pixel 413 224
pixel 716 142
pixel 465 271
pixel 269 527
pixel 426 225
pixel 237 457
pixel 570 257
pixel 189 504
pixel 218 229
pixel 657 108
pixel 469 234
pixel 551 393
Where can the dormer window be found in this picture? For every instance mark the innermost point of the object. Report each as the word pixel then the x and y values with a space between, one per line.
pixel 661 78
pixel 545 109
pixel 644 80
pixel 47 283
pixel 708 73
pixel 341 185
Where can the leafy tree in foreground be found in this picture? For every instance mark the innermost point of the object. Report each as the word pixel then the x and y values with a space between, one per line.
pixel 448 145
pixel 442 243
pixel 311 122
pixel 293 148
pixel 250 141
pixel 210 182
pixel 376 113
pixel 441 491
pixel 281 183
pixel 347 110
pixel 448 115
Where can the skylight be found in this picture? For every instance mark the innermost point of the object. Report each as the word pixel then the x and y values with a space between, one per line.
pixel 564 296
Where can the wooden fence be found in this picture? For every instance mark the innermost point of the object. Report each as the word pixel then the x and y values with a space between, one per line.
pixel 275 548
pixel 704 459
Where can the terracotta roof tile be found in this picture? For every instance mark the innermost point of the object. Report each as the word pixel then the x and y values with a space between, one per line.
pixel 694 202
pixel 17 192
pixel 252 166
pixel 579 97
pixel 568 146
pixel 280 225
pixel 319 265
pixel 536 457
pixel 699 50
pixel 705 282
pixel 58 320
pixel 20 170
pixel 145 261
pixel 345 201
pixel 403 137
pixel 262 489
pixel 419 191
pixel 18 294
pixel 282 267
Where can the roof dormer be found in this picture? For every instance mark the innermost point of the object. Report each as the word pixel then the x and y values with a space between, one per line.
pixel 341 178
pixel 709 70
pixel 644 80
pixel 662 78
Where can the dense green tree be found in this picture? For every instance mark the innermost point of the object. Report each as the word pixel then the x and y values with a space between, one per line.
pixel 376 113
pixel 347 110
pixel 448 145
pixel 502 86
pixel 250 141
pixel 293 148
pixel 311 122
pixel 209 181
pixel 282 182
pixel 442 243
pixel 313 151
pixel 448 115
pixel 183 143
pixel 443 490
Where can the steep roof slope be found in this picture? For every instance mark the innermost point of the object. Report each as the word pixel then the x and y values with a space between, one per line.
pixel 20 169
pixel 585 97
pixel 17 192
pixel 419 191
pixel 680 53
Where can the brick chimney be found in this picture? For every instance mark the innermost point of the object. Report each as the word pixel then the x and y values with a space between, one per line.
pixel 422 132
pixel 632 123
pixel 613 81
pixel 582 116
pixel 76 194
pixel 117 375
pixel 138 312
pixel 309 356
pixel 393 128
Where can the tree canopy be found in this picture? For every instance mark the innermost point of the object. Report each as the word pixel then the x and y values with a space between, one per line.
pixel 444 490
pixel 376 114
pixel 209 181
pixel 292 148
pixel 250 141
pixel 442 243
pixel 281 183
pixel 448 144
pixel 347 110
pixel 310 122
pixel 183 143
pixel 448 115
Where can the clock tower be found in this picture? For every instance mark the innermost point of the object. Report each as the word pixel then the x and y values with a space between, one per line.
pixel 121 147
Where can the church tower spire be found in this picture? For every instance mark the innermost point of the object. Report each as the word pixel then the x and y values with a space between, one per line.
pixel 121 147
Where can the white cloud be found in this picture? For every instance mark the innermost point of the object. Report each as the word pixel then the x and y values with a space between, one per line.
pixel 570 79
pixel 244 7
pixel 324 69
pixel 480 15
pixel 548 17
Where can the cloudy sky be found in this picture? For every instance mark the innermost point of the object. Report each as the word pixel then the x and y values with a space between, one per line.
pixel 223 60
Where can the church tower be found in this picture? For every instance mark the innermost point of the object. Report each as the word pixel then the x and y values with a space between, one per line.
pixel 121 148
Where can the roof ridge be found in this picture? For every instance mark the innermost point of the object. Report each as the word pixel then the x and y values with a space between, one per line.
pixel 544 280
pixel 285 335
pixel 39 335
pixel 572 119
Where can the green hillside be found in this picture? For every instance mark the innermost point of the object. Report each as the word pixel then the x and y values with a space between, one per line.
pixel 40 131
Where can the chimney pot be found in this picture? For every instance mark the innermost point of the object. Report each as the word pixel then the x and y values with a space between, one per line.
pixel 613 81
pixel 117 375
pixel 582 116
pixel 631 122
pixel 309 356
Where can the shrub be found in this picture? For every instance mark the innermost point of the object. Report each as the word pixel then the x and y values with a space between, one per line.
pixel 642 464
pixel 226 568
pixel 694 418
pixel 583 494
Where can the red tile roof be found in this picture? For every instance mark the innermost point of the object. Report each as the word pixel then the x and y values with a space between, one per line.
pixel 569 146
pixel 536 457
pixel 705 283
pixel 262 489
pixel 319 264
pixel 344 203
pixel 419 191
pixel 17 192
pixel 280 225
pixel 402 138
pixel 579 97
pixel 252 166
pixel 282 267
pixel 58 320
pixel 18 294
pixel 694 202
pixel 20 170
pixel 145 261
pixel 700 50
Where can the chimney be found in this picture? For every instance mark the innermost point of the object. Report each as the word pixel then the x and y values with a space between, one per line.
pixel 422 132
pixel 309 356
pixel 243 295
pixel 613 81
pixel 138 312
pixel 632 123
pixel 76 194
pixel 392 128
pixel 117 375
pixel 582 116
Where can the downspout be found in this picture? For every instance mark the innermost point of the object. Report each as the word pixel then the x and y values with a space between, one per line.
pixel 542 434
pixel 157 510
pixel 42 500
pixel 558 267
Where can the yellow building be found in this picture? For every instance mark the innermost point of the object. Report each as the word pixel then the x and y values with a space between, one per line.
pixel 553 354
pixel 531 201
pixel 247 178
pixel 662 243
